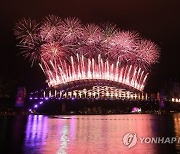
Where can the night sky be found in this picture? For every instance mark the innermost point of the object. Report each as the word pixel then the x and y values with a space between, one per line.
pixel 157 20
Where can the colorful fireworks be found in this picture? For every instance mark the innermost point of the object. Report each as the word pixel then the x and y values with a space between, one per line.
pixel 67 50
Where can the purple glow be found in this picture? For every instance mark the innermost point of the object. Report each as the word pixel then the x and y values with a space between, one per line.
pixel 136 109
pixel 73 98
pixel 36 130
pixel 36 106
pixel 41 102
pixel 46 98
pixel 30 110
pixel 35 98
pixel 30 98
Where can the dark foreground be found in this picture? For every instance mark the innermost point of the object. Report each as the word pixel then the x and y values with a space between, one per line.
pixel 86 133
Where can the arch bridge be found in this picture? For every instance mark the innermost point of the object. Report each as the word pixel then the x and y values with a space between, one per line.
pixel 89 89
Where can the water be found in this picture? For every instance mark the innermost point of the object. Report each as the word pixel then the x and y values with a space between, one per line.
pixel 88 134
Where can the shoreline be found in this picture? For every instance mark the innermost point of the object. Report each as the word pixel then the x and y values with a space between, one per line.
pixel 69 114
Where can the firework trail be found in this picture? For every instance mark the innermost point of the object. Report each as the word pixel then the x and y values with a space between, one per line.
pixel 67 50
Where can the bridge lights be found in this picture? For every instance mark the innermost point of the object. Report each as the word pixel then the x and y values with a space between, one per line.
pixel 36 106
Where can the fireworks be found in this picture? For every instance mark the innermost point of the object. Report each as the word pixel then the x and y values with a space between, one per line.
pixel 26 31
pixel 68 50
pixel 49 29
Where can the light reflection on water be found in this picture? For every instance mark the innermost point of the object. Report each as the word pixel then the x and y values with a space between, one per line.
pixel 96 133
pixel 36 130
pixel 177 128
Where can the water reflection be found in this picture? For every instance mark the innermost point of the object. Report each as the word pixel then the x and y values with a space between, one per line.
pixel 86 134
pixel 177 128
pixel 36 130
pixel 90 134
pixel 64 140
pixel 104 134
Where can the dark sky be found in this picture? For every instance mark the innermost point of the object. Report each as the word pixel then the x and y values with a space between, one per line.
pixel 157 20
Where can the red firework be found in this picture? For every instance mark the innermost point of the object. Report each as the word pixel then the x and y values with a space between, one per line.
pixel 69 51
pixel 26 30
pixel 147 52
pixel 51 51
pixel 49 29
pixel 71 29
pixel 92 34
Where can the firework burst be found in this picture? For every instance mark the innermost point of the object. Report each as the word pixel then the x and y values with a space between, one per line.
pixel 68 50
pixel 147 52
pixel 71 29
pixel 92 34
pixel 26 30
pixel 123 45
pixel 49 29
pixel 52 50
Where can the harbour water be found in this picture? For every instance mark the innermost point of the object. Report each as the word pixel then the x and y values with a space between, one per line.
pixel 79 134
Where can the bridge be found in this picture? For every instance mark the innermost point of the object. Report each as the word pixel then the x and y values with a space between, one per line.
pixel 86 91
